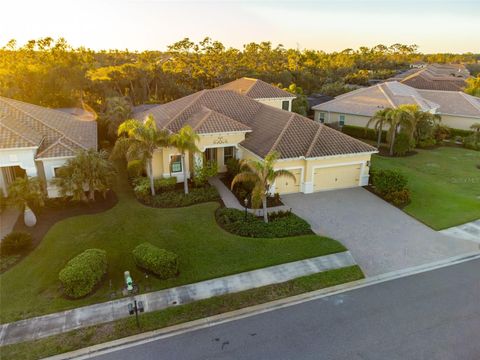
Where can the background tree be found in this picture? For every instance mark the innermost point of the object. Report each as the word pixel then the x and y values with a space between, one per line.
pixel 262 174
pixel 473 86
pixel 300 103
pixel 185 140
pixel 140 141
pixel 89 171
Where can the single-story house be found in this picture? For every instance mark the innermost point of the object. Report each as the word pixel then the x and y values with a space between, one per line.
pixel 445 77
pixel 262 92
pixel 236 124
pixel 457 109
pixel 36 141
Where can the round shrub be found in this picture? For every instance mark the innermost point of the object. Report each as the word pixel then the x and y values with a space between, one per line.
pixel 158 261
pixel 83 272
pixel 398 198
pixel 16 242
pixel 403 144
pixel 387 181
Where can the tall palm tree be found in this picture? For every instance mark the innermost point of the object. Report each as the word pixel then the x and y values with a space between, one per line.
pixel 398 119
pixel 379 119
pixel 262 174
pixel 185 140
pixel 417 119
pixel 88 171
pixel 140 141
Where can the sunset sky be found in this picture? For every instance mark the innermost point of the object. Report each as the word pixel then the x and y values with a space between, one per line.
pixel 434 25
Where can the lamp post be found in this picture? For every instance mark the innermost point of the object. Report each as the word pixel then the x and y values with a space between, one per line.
pixel 135 308
pixel 245 202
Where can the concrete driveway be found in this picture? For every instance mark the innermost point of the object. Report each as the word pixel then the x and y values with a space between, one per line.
pixel 380 237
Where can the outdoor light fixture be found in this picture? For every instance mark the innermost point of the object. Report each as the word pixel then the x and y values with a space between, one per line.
pixel 135 308
pixel 246 203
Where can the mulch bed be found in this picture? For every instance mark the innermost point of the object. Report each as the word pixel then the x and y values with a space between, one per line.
pixel 55 211
pixel 271 200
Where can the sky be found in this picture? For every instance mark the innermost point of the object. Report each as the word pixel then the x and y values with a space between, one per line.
pixel 434 25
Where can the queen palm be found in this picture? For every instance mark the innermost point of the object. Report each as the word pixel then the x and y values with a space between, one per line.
pixel 262 174
pixel 140 141
pixel 26 191
pixel 185 140
pixel 88 171
pixel 421 122
pixel 398 119
pixel 379 119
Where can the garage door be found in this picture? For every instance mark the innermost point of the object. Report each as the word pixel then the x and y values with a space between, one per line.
pixel 285 185
pixel 337 177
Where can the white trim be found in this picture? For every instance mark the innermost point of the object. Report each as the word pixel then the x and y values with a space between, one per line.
pixel 55 158
pixel 362 167
pixel 225 133
pixel 19 148
pixel 290 98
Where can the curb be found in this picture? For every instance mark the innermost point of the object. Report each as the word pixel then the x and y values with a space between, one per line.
pixel 199 324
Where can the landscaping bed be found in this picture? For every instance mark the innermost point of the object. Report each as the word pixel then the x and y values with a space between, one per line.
pixel 54 211
pixel 177 198
pixel 281 224
pixel 204 250
pixel 242 192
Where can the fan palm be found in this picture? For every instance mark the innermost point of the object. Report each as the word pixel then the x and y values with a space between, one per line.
pixel 140 141
pixel 26 191
pixel 88 171
pixel 185 140
pixel 262 174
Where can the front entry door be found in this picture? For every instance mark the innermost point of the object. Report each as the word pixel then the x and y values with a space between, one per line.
pixel 211 155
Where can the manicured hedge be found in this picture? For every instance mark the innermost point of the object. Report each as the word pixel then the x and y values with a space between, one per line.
pixel 15 242
pixel 158 261
pixel 363 133
pixel 281 224
pixel 83 272
pixel 459 132
pixel 141 185
pixel 391 185
pixel 178 198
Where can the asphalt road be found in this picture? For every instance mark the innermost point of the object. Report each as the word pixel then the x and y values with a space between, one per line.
pixel 432 315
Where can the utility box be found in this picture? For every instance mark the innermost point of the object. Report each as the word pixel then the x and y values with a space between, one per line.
pixel 128 280
pixel 140 306
pixel 131 310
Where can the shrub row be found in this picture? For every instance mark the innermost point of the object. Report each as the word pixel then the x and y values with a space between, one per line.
pixel 15 242
pixel 83 272
pixel 170 199
pixel 280 224
pixel 141 185
pixel 158 261
pixel 391 185
pixel 453 133
pixel 363 133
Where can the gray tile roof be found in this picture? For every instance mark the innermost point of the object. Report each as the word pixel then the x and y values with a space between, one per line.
pixel 367 101
pixel 292 135
pixel 256 89
pixel 54 132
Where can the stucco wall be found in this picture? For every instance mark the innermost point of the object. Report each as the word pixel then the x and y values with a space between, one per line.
pixel 350 119
pixel 46 167
pixel 277 103
pixel 459 122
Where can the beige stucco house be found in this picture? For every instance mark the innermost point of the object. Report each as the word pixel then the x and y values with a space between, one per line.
pixel 457 109
pixel 35 141
pixel 233 123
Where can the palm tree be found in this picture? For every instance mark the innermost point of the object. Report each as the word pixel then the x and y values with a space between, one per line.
pixel 25 192
pixel 141 140
pixel 88 171
pixel 185 140
pixel 379 119
pixel 398 118
pixel 262 174
pixel 417 119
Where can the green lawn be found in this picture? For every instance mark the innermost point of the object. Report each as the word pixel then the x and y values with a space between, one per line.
pixel 206 251
pixel 444 182
pixel 89 336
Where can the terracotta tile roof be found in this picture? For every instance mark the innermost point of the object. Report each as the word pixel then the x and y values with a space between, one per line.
pixel 30 125
pixel 207 121
pixel 256 89
pixel 292 135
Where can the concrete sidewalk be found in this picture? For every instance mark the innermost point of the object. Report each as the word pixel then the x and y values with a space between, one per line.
pixel 232 202
pixel 469 231
pixel 43 326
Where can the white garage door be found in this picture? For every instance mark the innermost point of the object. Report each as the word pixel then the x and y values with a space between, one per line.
pixel 285 185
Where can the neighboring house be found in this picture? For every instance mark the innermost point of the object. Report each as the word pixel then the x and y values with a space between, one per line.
pixel 232 125
pixel 36 141
pixel 261 91
pixel 317 99
pixel 457 109
pixel 445 77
